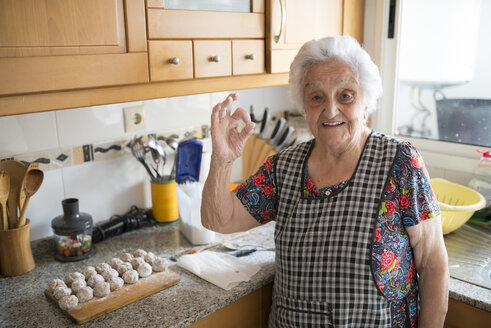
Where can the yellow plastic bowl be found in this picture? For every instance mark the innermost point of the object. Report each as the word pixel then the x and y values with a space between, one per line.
pixel 457 203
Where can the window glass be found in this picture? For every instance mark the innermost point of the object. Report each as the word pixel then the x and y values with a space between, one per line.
pixel 214 5
pixel 444 71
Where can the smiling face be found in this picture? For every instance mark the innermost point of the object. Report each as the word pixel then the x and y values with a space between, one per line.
pixel 334 104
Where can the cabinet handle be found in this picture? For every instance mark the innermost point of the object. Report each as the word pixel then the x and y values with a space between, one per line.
pixel 215 59
pixel 283 21
pixel 174 60
pixel 250 56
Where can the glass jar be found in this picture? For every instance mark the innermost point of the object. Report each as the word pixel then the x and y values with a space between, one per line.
pixel 73 233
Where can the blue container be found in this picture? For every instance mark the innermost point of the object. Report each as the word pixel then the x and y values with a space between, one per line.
pixel 188 161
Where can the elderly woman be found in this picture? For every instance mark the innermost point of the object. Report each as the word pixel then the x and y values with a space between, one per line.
pixel 358 234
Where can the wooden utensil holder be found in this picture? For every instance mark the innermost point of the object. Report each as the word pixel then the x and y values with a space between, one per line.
pixel 15 251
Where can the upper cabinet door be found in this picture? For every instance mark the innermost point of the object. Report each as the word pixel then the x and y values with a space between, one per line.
pixel 291 23
pixel 48 45
pixel 193 19
pixel 44 27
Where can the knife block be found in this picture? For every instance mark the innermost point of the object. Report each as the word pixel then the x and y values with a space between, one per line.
pixel 15 251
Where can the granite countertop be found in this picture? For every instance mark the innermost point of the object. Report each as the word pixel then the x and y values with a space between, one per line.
pixel 25 305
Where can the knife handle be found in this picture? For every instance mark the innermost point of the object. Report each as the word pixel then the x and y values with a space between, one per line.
pixel 202 248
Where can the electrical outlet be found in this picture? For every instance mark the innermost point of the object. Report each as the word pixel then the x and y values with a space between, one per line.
pixel 135 118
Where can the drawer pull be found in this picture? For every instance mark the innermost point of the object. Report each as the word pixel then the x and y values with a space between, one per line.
pixel 174 60
pixel 250 56
pixel 215 59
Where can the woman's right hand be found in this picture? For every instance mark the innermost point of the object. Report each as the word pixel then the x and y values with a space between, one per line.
pixel 228 142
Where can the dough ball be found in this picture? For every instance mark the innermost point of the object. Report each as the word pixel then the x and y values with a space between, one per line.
pixel 89 272
pixel 77 284
pixel 139 253
pixel 136 262
pixel 126 257
pixel 123 267
pixel 115 283
pixel 60 292
pixel 114 262
pixel 102 267
pixel 102 289
pixel 144 270
pixel 72 276
pixel 109 273
pixel 130 276
pixel 160 264
pixel 55 283
pixel 68 302
pixel 94 280
pixel 85 294
pixel 150 257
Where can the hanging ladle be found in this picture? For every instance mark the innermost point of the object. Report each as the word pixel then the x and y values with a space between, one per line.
pixel 33 180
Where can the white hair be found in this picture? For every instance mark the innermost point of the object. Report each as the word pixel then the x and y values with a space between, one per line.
pixel 340 48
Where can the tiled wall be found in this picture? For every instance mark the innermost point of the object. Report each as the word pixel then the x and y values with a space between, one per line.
pixel 110 186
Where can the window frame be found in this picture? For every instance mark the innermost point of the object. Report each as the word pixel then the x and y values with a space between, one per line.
pixel 384 52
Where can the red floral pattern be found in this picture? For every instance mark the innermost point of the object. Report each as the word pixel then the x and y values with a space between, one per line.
pixel 259 179
pixel 404 201
pixel 387 260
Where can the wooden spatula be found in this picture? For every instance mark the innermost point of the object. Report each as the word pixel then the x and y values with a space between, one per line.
pixel 16 171
pixel 4 196
pixel 34 179
pixel 22 194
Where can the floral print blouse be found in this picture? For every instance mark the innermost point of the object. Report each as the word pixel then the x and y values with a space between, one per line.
pixel 408 199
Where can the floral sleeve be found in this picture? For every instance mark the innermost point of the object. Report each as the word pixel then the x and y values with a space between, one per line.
pixel 417 200
pixel 258 193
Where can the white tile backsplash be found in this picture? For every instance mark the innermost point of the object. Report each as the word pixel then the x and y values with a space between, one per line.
pixel 108 187
pixel 276 98
pixel 46 204
pixel 27 133
pixel 90 124
pixel 177 112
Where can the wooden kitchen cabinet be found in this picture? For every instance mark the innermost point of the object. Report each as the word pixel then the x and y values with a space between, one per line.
pixel 250 311
pixel 52 45
pixel 170 60
pixel 290 23
pixel 461 315
pixel 248 57
pixel 224 42
pixel 212 58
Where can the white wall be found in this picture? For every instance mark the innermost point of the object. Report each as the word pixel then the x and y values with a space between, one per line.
pixel 108 187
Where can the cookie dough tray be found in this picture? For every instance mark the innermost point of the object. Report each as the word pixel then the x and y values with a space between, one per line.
pixel 129 293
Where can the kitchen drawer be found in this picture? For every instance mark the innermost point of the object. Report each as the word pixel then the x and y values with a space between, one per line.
pixel 212 58
pixel 248 56
pixel 170 60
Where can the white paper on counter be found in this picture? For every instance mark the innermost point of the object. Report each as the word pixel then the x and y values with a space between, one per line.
pixel 224 270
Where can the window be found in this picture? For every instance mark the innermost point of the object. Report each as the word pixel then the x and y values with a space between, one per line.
pixel 436 76
pixel 443 89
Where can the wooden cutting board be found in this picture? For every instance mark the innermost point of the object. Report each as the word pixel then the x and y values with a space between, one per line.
pixel 99 306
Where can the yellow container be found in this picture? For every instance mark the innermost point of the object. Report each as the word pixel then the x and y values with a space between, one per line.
pixel 164 201
pixel 457 203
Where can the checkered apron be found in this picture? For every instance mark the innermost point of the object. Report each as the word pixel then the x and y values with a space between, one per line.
pixel 323 245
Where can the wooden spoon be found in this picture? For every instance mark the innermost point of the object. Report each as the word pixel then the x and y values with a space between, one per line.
pixel 22 194
pixel 34 179
pixel 4 195
pixel 16 171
